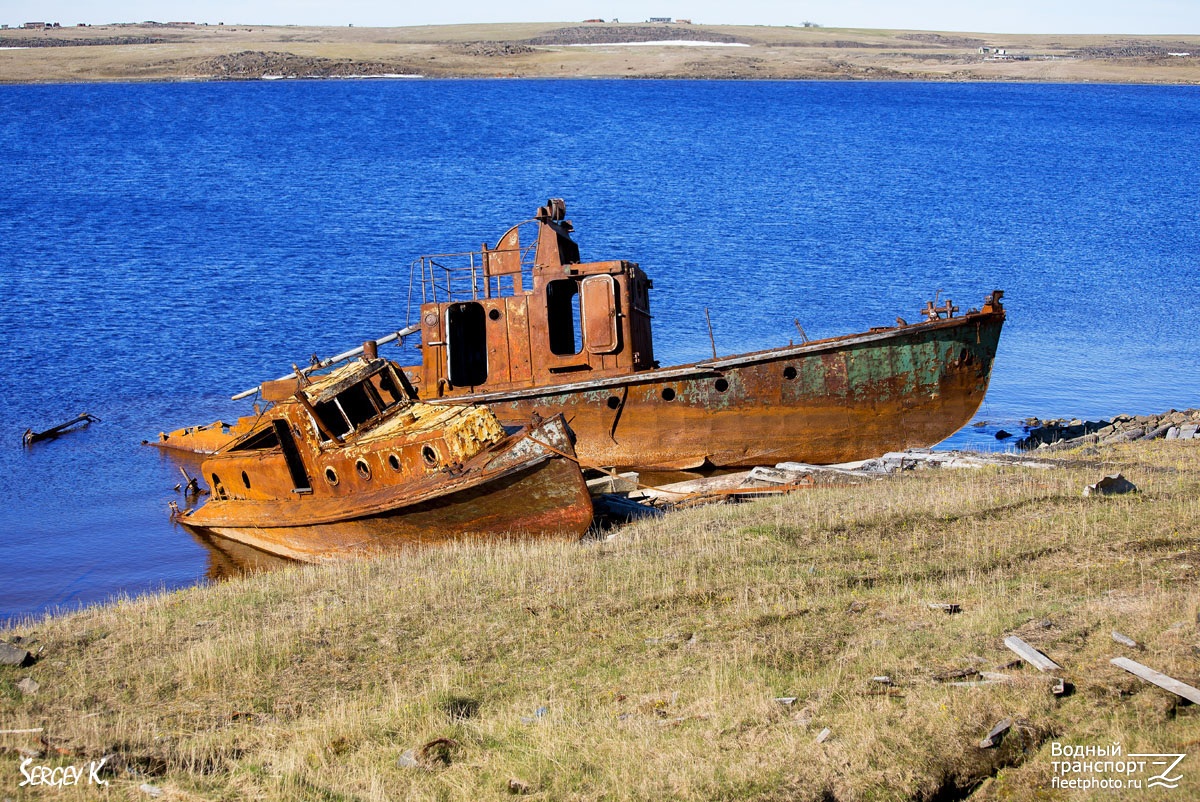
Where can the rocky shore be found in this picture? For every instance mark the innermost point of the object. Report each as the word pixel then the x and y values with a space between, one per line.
pixel 1061 434
pixel 251 64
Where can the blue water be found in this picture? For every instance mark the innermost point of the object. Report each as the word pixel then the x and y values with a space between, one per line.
pixel 163 246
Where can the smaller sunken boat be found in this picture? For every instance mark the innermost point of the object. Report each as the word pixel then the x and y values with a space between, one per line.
pixel 349 464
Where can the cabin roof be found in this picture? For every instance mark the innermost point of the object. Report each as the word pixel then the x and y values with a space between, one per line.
pixel 337 380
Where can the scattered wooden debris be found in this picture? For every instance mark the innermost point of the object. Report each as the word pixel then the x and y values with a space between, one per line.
pixel 613 483
pixel 985 678
pixel 842 469
pixel 710 489
pixel 676 491
pixel 996 734
pixel 1125 640
pixel 927 458
pixel 1158 678
pixel 823 735
pixel 958 673
pixel 191 485
pixel 30 436
pixel 1031 655
pixel 948 609
pixel 616 508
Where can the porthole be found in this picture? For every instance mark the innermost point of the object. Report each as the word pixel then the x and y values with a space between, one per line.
pixel 721 385
pixel 429 456
pixel 789 373
pixel 331 476
pixel 613 402
pixel 494 314
pixel 668 394
pixel 364 470
pixel 394 462
pixel 245 480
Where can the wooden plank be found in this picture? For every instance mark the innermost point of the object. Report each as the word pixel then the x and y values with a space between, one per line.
pixel 1031 655
pixel 1157 678
pixel 947 608
pixel 996 734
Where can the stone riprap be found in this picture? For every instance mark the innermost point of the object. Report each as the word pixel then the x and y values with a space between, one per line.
pixel 1172 425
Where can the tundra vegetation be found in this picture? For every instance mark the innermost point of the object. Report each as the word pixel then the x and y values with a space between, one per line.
pixel 798 647
pixel 164 52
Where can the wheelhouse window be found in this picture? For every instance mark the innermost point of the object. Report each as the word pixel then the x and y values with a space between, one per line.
pixel 263 438
pixel 466 337
pixel 562 311
pixel 355 405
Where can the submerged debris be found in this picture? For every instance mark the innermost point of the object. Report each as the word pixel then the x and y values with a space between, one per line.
pixel 30 437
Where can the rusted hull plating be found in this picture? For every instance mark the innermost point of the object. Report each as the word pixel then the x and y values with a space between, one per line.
pixel 838 400
pixel 548 500
pixel 370 499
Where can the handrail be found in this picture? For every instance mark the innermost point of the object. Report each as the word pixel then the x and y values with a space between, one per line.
pixel 441 276
pixel 333 360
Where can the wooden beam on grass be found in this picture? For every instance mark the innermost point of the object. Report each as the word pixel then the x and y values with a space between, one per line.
pixel 996 734
pixel 1158 678
pixel 1031 655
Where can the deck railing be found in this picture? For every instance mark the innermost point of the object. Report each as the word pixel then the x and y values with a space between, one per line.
pixel 449 277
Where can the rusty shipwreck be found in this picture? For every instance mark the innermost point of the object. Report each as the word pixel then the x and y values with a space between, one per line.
pixel 349 464
pixel 526 327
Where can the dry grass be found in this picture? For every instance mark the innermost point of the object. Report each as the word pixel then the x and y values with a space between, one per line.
pixel 648 666
pixel 774 52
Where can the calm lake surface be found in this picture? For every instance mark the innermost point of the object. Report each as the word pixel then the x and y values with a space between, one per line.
pixel 164 246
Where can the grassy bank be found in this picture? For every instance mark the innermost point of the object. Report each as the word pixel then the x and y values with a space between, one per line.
pixel 699 656
pixel 550 50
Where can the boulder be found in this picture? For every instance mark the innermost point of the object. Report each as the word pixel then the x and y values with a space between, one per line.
pixel 1111 485
pixel 1123 436
pixel 14 655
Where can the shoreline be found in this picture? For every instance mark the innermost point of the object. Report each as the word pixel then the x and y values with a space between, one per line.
pixel 737 651
pixel 167 52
